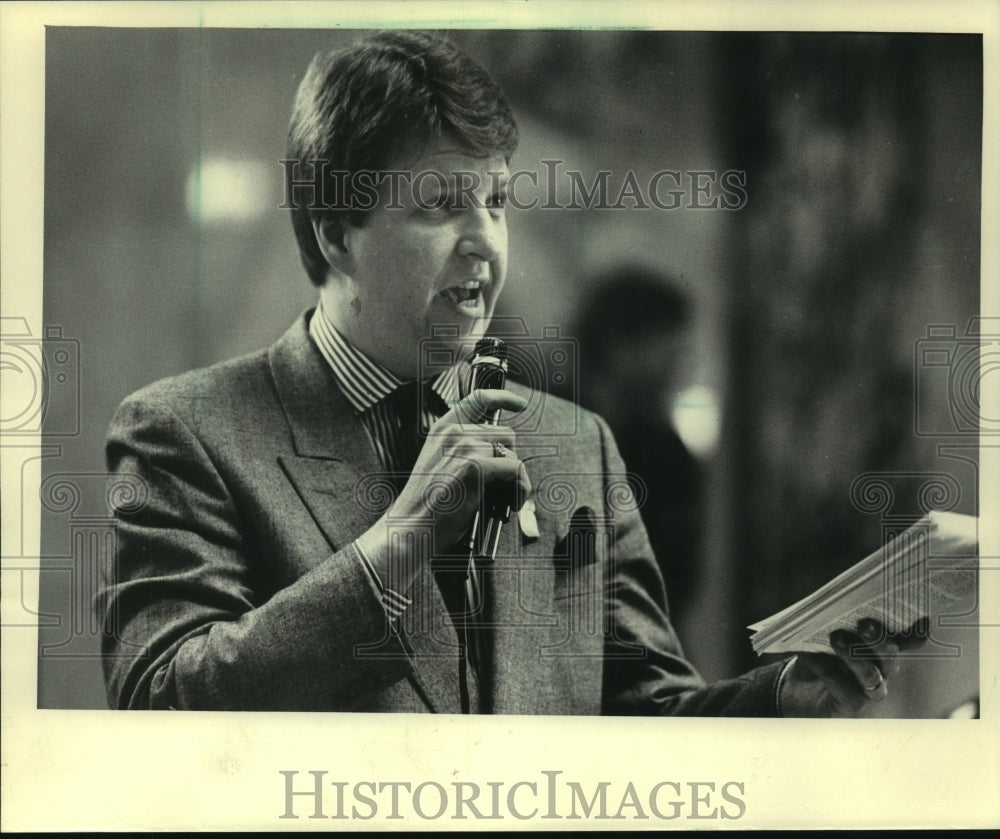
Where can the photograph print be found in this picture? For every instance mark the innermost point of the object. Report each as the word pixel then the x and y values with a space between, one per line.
pixel 496 371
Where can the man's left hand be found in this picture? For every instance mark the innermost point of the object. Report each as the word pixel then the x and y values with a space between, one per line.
pixel 849 683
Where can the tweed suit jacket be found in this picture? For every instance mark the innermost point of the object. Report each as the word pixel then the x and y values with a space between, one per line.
pixel 236 585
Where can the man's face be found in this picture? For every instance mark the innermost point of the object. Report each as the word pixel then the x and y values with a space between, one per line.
pixel 439 259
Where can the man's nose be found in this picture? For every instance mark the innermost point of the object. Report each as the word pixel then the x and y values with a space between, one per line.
pixel 484 236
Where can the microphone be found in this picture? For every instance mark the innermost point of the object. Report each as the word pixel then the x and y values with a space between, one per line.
pixel 489 372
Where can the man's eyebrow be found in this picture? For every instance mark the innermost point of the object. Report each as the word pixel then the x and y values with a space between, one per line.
pixel 455 179
pixel 448 151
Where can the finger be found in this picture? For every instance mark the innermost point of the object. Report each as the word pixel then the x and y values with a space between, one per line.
pixel 492 435
pixel 888 655
pixel 871 631
pixel 882 646
pixel 874 633
pixel 486 476
pixel 863 664
pixel 506 481
pixel 915 636
pixel 482 403
pixel 498 480
pixel 884 656
pixel 480 446
pixel 470 439
pixel 842 688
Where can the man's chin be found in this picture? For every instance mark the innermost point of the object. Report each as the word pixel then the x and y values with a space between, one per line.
pixel 449 343
pixel 465 331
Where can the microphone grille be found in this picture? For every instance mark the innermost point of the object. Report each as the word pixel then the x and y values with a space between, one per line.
pixel 490 347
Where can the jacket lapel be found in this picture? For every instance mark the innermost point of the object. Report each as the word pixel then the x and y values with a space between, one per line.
pixel 543 607
pixel 340 480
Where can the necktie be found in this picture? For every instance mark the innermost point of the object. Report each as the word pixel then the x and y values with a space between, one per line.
pixel 408 440
pixel 416 405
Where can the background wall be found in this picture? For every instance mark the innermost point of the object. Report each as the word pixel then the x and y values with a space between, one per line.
pixel 165 249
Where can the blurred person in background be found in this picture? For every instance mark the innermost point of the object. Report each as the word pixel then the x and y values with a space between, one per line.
pixel 302 537
pixel 634 330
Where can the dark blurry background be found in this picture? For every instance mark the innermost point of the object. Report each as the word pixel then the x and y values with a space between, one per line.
pixel 165 249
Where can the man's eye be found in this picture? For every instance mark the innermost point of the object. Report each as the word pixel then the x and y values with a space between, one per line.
pixel 445 203
pixel 433 203
pixel 461 202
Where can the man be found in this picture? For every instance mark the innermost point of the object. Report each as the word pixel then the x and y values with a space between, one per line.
pixel 289 554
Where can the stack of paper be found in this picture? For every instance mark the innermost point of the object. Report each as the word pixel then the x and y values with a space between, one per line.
pixel 919 574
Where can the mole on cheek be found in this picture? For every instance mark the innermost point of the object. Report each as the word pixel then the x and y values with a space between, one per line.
pixel 356 305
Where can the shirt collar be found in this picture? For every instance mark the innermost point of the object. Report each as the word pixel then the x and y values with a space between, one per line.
pixel 363 380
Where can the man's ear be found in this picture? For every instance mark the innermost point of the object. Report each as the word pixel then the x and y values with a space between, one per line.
pixel 329 231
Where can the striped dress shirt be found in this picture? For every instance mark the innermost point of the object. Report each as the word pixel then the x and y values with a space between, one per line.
pixel 368 386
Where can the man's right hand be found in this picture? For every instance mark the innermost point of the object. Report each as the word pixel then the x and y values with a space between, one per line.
pixel 459 452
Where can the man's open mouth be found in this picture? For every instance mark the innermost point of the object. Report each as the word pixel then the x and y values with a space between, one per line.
pixel 463 293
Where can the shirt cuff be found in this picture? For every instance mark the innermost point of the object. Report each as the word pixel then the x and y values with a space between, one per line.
pixel 780 683
pixel 392 601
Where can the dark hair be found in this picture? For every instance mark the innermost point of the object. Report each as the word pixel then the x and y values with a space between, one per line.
pixel 359 106
pixel 628 303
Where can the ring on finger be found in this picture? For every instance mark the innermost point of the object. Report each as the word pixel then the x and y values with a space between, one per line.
pixel 499 450
pixel 877 684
